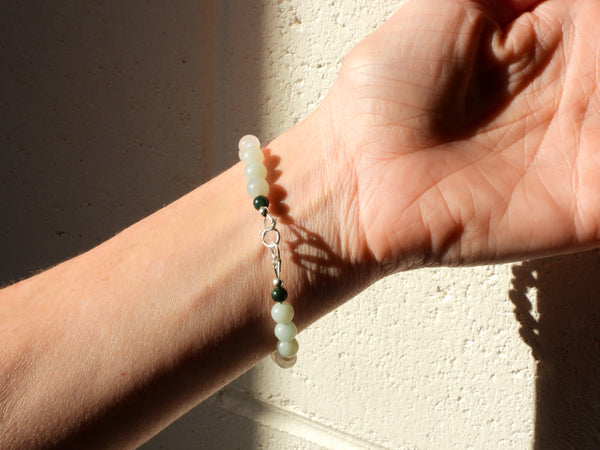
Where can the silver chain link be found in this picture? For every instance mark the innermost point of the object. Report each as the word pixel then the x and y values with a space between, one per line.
pixel 272 244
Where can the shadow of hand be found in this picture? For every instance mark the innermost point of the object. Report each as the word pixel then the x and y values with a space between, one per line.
pixel 557 302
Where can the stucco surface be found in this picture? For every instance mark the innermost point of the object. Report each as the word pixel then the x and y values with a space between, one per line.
pixel 113 109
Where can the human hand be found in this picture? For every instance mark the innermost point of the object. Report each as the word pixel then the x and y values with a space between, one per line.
pixel 472 130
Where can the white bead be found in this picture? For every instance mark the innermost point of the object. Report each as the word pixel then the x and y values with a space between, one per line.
pixel 286 331
pixel 250 155
pixel 257 186
pixel 287 349
pixel 255 170
pixel 248 141
pixel 282 312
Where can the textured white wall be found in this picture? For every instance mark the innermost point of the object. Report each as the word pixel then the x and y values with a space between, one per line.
pixel 113 109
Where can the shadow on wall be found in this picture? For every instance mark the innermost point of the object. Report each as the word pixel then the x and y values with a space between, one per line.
pixel 558 306
pixel 110 111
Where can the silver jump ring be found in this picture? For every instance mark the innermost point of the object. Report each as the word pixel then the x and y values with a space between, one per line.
pixel 273 243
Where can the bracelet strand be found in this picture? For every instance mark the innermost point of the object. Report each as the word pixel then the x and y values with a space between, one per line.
pixel 282 312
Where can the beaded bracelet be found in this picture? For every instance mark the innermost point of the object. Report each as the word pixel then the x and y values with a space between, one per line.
pixel 282 312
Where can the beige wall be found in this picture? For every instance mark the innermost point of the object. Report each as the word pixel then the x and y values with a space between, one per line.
pixel 113 109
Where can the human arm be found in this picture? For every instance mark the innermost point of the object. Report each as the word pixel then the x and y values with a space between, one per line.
pixel 169 370
pixel 106 349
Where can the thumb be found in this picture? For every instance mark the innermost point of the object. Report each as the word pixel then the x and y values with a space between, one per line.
pixel 506 11
pixel 519 6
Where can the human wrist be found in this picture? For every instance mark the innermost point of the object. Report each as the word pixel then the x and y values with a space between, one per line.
pixel 313 195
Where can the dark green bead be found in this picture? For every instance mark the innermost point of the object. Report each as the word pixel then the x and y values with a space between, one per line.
pixel 278 294
pixel 260 201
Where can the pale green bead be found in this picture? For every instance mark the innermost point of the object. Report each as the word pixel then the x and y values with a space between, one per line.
pixel 255 170
pixel 246 142
pixel 282 312
pixel 287 349
pixel 250 155
pixel 286 331
pixel 257 186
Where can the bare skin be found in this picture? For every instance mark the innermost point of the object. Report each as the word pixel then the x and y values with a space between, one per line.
pixel 460 132
pixel 473 132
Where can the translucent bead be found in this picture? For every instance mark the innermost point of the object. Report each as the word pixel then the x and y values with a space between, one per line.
pixel 287 349
pixel 286 331
pixel 282 312
pixel 257 186
pixel 250 155
pixel 255 170
pixel 248 141
pixel 284 363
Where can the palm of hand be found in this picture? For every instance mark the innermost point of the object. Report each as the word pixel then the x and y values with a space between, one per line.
pixel 475 139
